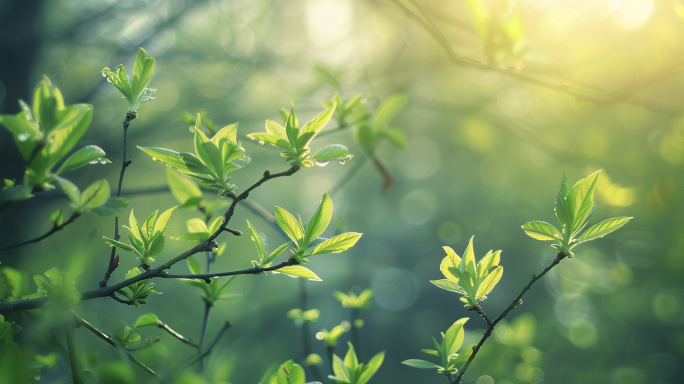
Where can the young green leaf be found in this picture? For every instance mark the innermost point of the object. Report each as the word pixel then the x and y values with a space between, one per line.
pixel 319 220
pixel 299 271
pixel 95 195
pixel 112 207
pixel 603 228
pixel 541 230
pixel 146 320
pixel 289 225
pixel 336 244
pixel 87 155
pixel 422 364
pixel 186 192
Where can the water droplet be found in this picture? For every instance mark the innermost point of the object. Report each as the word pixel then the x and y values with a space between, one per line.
pixel 192 129
pixel 322 163
pixel 261 142
pixel 109 80
pixel 103 161
pixel 93 162
pixel 342 162
pixel 104 74
pixel 320 336
pixel 154 159
pixel 23 137
pixel 252 138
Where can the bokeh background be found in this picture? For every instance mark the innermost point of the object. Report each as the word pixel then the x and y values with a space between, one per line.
pixel 499 106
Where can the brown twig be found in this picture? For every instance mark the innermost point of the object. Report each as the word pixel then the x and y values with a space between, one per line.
pixel 560 256
pixel 55 228
pixel 124 164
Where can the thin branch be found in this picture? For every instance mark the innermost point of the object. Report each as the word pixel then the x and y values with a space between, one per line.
pixel 81 322
pixel 479 310
pixel 560 256
pixel 209 348
pixel 55 228
pixel 604 97
pixel 203 335
pixel 124 164
pixel 148 344
pixel 176 334
pixel 248 271
pixel 73 357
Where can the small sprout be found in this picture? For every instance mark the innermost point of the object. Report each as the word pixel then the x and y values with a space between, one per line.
pixel 350 371
pixel 452 341
pixel 351 300
pixel 135 91
pixel 473 281
pixel 573 209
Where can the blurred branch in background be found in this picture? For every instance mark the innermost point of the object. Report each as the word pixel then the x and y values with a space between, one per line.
pixel 559 82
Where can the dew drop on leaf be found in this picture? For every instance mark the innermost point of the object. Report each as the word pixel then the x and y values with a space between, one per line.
pixel 23 137
pixel 192 129
pixel 261 142
pixel 104 74
pixel 109 80
pixel 93 162
pixel 342 162
pixel 154 159
pixel 322 163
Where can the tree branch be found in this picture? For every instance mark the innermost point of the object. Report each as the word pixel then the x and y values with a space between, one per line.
pixel 206 246
pixel 124 164
pixel 55 228
pixel 81 322
pixel 176 334
pixel 560 256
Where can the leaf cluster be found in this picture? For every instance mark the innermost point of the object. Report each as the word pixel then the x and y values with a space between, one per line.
pixel 97 197
pixel 148 240
pixel 472 280
pixel 44 134
pixel 452 341
pixel 330 338
pixel 295 140
pixel 573 209
pixel 213 160
pixel 299 316
pixel 287 373
pixel 135 91
pixel 370 130
pixel 137 292
pixel 351 300
pixel 350 371
pixel 212 291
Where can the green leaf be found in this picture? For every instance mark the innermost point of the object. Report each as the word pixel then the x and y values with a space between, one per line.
pixel 25 132
pixel 463 356
pixel 162 222
pixel 275 254
pixel 146 320
pixel 336 244
pixel 541 230
pixel 310 129
pixel 194 266
pixel 452 260
pixel 112 207
pixel 371 368
pixel 469 259
pixel 70 189
pixel 388 110
pixel 120 245
pixel 47 361
pixel 448 286
pixel 257 241
pixel 340 370
pixel 73 122
pixel 142 74
pixel 292 128
pixel 184 162
pixel 603 228
pixel 319 220
pixel 333 152
pixel 84 156
pixel 561 205
pixel 186 192
pixel 290 225
pixel 299 271
pixel 581 200
pixel 95 195
pixel 489 283
pixel 397 137
pixel 453 338
pixel 422 364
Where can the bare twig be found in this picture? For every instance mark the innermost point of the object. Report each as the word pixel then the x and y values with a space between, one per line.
pixel 73 357
pixel 81 322
pixel 124 164
pixel 176 334
pixel 479 310
pixel 560 256
pixel 55 229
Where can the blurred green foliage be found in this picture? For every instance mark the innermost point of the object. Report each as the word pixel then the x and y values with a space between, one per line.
pixel 520 94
